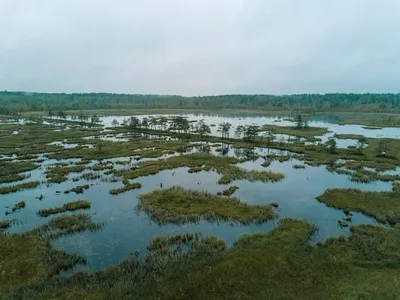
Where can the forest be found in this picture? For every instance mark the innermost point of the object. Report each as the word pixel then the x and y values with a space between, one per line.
pixel 19 102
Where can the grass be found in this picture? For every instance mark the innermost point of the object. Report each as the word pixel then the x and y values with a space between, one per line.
pixel 77 190
pixel 58 174
pixel 9 169
pixel 69 206
pixel 125 188
pixel 12 178
pixel 383 206
pixel 29 258
pixel 66 225
pixel 230 190
pixel 18 187
pixel 278 264
pixel 177 205
pixel 266 164
pixel 380 122
pixel 308 133
pixel 5 224
pixel 19 205
pixel 299 166
pixel 203 161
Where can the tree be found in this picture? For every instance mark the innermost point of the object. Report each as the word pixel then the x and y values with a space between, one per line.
pixel 180 124
pixel 115 123
pixel 224 129
pixel 163 122
pixel 331 145
pixel 153 123
pixel 133 122
pixel 61 115
pixel 94 120
pixel 239 131
pixel 250 132
pixel 202 128
pixel 299 121
pixel 361 143
pixel 145 123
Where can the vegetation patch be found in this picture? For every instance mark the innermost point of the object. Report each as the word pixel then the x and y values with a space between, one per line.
pixel 69 206
pixel 77 190
pixel 177 205
pixel 230 190
pixel 383 206
pixel 59 174
pixel 125 188
pixel 199 161
pixel 299 166
pixel 278 264
pixel 5 224
pixel 19 187
pixel 19 205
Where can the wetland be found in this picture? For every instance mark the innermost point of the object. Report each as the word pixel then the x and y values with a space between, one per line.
pixel 171 206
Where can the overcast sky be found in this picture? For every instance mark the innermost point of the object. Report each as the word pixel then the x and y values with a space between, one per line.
pixel 200 47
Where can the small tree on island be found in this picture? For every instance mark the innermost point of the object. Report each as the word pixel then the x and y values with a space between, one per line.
pixel 114 123
pixel 331 145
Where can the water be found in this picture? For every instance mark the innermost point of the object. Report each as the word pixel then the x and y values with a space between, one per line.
pixel 126 230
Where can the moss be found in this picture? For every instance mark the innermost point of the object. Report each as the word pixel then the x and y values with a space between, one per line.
pixel 299 166
pixel 230 190
pixel 19 187
pixel 125 188
pixel 177 205
pixel 383 206
pixel 19 205
pixel 69 206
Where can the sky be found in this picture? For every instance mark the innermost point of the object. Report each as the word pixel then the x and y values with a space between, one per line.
pixel 200 47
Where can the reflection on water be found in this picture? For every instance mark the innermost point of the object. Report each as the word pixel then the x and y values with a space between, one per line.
pixel 126 230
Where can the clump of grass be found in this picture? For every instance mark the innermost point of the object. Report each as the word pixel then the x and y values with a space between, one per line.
pixel 222 165
pixel 77 190
pixel 230 190
pixel 130 186
pixel 5 224
pixel 69 206
pixel 12 178
pixel 266 164
pixel 19 187
pixel 59 174
pixel 383 206
pixel 18 206
pixel 299 166
pixel 177 205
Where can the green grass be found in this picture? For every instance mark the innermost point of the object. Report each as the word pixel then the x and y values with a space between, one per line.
pixel 9 169
pixel 279 264
pixel 69 206
pixel 308 133
pixel 230 190
pixel 125 188
pixel 177 205
pixel 299 166
pixel 19 205
pixel 203 161
pixel 77 190
pixel 5 224
pixel 383 206
pixel 58 174
pixel 19 187
pixel 12 178
pixel 380 122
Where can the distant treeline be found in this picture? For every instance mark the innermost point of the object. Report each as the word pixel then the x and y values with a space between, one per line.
pixel 16 102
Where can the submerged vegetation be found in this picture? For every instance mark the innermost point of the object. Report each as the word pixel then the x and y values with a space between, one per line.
pixel 69 206
pixel 177 205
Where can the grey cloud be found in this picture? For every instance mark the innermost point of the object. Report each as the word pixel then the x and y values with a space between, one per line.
pixel 200 47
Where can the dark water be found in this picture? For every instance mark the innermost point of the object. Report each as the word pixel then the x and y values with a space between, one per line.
pixel 126 230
